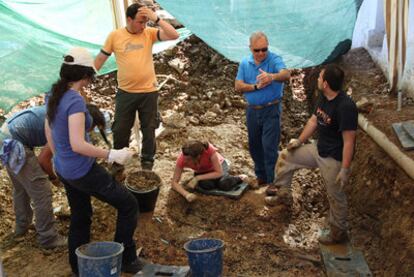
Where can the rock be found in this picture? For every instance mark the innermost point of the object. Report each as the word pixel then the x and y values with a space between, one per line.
pixel 193 120
pixel 216 109
pixel 177 64
pixel 176 120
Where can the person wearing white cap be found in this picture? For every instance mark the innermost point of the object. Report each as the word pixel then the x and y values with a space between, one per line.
pixel 67 123
pixel 137 83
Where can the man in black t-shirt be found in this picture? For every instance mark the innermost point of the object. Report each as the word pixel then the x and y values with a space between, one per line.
pixel 335 118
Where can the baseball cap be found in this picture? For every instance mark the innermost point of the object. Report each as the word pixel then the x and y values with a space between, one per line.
pixel 81 56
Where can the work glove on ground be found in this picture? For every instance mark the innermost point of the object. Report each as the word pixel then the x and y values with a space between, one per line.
pixel 192 183
pixel 293 144
pixel 343 177
pixel 121 156
pixel 190 197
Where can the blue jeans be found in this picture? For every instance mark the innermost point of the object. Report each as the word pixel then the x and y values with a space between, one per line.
pixel 100 184
pixel 263 128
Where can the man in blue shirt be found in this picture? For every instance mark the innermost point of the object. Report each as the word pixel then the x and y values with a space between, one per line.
pixel 260 78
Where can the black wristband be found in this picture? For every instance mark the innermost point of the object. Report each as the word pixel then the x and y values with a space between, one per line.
pixel 255 87
pixel 158 20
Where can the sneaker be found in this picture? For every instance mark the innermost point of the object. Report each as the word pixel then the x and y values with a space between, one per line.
pixel 60 241
pixel 147 165
pixel 132 267
pixel 283 197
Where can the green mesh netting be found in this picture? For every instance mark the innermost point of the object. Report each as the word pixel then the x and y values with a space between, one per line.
pixel 304 32
pixel 35 34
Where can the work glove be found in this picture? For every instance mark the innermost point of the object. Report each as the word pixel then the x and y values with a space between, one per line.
pixel 192 183
pixel 343 177
pixel 190 197
pixel 121 156
pixel 293 144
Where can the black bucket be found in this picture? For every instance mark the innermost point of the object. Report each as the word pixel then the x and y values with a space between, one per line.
pixel 147 198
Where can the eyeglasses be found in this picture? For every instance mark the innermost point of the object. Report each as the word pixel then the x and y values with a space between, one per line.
pixel 260 50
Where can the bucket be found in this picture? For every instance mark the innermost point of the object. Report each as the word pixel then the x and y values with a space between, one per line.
pixel 100 259
pixel 205 257
pixel 136 182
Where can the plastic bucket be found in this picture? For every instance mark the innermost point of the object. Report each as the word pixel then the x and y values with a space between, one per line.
pixel 147 198
pixel 100 259
pixel 205 257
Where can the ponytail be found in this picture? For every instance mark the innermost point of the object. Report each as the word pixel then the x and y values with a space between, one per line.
pixel 58 90
pixel 68 74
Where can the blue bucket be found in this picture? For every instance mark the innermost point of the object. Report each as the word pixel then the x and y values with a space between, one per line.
pixel 205 257
pixel 100 259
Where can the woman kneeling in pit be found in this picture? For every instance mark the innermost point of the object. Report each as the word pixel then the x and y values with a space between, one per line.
pixel 211 170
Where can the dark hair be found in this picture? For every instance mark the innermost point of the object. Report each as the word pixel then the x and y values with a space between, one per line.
pixel 132 10
pixel 334 76
pixel 194 148
pixel 68 74
pixel 98 119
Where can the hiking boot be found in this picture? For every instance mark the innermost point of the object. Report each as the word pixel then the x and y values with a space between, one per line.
pixel 60 241
pixel 132 267
pixel 333 236
pixel 271 190
pixel 260 182
pixel 147 165
pixel 18 233
pixel 283 197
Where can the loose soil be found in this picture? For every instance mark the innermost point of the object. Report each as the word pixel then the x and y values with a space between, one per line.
pixel 200 103
pixel 139 182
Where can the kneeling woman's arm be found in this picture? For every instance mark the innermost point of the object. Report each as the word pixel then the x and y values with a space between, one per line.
pixel 176 181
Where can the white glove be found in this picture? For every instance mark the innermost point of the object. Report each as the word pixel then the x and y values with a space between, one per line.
pixel 343 177
pixel 121 156
pixel 190 197
pixel 293 143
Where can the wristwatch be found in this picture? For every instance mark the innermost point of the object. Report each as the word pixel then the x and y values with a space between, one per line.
pixel 255 87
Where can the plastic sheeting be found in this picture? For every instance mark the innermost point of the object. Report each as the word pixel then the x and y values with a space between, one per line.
pixel 304 32
pixel 35 34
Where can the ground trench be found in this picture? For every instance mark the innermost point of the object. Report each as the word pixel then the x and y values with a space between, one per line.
pixel 259 240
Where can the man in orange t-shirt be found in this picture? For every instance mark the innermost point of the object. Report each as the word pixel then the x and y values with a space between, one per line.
pixel 137 83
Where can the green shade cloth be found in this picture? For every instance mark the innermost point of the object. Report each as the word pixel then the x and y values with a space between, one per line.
pixel 34 36
pixel 304 32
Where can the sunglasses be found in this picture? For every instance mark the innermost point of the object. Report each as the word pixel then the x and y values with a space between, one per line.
pixel 260 50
